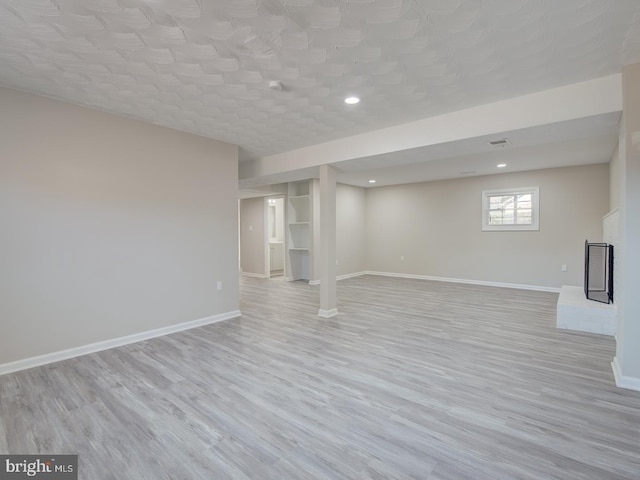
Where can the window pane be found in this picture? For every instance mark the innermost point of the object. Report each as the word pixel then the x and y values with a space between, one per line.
pixel 508 217
pixel 511 209
pixel 495 217
pixel 501 200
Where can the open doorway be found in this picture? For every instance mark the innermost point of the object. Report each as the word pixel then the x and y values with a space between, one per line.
pixel 275 235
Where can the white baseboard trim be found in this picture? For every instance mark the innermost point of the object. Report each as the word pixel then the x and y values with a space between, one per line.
pixel 255 275
pixel 53 357
pixel 295 279
pixel 340 277
pixel 350 275
pixel 328 313
pixel 469 282
pixel 631 383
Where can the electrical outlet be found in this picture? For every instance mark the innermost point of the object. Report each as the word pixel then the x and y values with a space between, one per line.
pixel 564 268
pixel 337 263
pixel 251 228
pixel 219 286
pixel 402 258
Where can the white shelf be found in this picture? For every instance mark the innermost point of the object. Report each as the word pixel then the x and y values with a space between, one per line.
pixel 299 211
pixel 299 189
pixel 299 234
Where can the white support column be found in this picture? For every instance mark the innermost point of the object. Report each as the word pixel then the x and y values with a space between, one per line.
pixel 626 364
pixel 327 250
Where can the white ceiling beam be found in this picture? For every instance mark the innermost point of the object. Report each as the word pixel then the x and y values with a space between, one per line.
pixel 579 100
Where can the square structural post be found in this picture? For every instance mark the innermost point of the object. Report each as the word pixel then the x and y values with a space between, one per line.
pixel 327 237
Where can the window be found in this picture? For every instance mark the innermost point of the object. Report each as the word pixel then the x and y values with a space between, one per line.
pixel 510 209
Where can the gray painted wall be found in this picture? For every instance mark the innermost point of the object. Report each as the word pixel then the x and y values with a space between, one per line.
pixel 252 235
pixel 110 226
pixel 628 331
pixel 614 180
pixel 350 229
pixel 436 226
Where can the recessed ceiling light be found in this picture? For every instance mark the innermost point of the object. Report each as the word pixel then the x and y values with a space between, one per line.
pixel 351 100
pixel 501 165
pixel 372 181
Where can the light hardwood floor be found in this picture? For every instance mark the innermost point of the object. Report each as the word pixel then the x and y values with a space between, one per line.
pixel 413 380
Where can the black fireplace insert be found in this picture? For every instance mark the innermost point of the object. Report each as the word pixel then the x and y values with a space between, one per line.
pixel 598 272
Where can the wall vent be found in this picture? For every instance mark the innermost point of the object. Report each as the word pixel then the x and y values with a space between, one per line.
pixel 503 142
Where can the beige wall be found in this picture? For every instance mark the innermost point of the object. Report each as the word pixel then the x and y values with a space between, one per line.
pixel 627 359
pixel 350 229
pixel 436 226
pixel 614 180
pixel 252 235
pixel 110 226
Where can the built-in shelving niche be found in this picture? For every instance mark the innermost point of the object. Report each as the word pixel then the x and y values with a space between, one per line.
pixel 299 237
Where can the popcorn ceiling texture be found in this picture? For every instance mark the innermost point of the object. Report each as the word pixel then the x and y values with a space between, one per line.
pixel 203 66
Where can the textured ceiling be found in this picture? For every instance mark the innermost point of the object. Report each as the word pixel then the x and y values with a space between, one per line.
pixel 203 66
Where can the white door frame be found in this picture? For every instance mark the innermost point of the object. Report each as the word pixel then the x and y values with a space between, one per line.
pixel 267 247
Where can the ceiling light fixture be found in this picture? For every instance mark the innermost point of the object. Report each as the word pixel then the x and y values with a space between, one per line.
pixel 501 165
pixel 372 181
pixel 351 100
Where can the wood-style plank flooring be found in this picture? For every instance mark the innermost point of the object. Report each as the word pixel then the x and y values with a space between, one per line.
pixel 413 380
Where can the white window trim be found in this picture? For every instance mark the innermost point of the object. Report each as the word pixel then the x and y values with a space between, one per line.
pixel 535 206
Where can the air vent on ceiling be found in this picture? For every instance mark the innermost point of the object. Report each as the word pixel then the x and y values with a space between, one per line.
pixel 503 142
